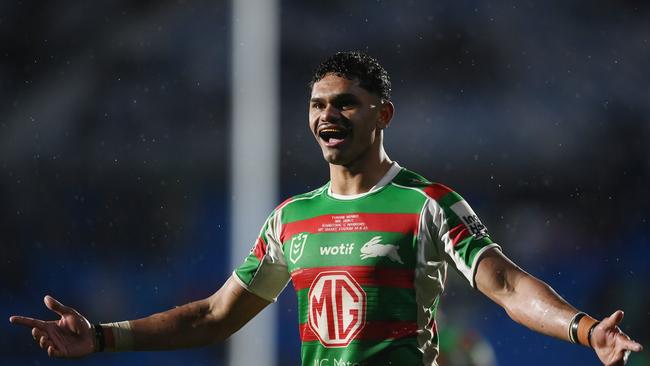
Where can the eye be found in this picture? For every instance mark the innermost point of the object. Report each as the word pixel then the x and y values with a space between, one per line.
pixel 317 106
pixel 346 104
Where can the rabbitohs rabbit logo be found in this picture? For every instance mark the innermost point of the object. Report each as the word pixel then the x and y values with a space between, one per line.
pixel 374 248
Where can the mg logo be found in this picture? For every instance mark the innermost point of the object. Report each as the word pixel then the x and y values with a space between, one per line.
pixel 337 308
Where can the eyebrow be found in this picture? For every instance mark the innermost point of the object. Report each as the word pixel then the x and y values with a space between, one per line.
pixel 337 98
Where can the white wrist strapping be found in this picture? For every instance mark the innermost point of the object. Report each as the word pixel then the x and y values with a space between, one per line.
pixel 122 335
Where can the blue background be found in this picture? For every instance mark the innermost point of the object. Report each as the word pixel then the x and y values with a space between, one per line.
pixel 114 153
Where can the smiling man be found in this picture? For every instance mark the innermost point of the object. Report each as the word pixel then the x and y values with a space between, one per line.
pixel 367 254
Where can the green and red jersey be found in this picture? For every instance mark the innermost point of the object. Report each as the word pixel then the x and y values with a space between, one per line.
pixel 368 269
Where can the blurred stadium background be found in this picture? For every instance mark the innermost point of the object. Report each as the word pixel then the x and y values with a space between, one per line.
pixel 115 154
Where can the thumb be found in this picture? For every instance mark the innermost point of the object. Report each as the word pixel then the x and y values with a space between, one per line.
pixel 612 320
pixel 56 306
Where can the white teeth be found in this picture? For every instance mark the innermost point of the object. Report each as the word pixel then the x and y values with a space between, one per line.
pixel 335 133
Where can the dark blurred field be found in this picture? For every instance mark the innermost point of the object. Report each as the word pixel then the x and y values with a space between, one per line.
pixel 114 152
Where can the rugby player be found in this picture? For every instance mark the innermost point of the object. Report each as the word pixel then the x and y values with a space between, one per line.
pixel 367 254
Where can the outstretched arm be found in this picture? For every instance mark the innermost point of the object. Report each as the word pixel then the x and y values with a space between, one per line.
pixel 536 305
pixel 195 324
pixel 198 323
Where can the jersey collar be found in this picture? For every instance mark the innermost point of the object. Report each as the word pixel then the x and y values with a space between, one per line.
pixel 387 178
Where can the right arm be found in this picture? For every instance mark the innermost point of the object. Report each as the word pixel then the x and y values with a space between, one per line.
pixel 195 324
pixel 253 286
pixel 198 323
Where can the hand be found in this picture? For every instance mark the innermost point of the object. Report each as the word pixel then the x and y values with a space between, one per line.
pixel 612 346
pixel 72 336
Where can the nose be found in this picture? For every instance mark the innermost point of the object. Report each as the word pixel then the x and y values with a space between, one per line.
pixel 330 113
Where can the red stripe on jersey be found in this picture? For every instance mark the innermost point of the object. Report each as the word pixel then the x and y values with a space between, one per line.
pixel 437 190
pixel 259 249
pixel 458 233
pixel 353 222
pixel 371 330
pixel 284 203
pixel 433 326
pixel 364 275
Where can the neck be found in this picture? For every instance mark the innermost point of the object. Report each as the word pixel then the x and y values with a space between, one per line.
pixel 360 176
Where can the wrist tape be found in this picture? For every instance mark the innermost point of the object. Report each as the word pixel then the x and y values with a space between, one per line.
pixel 114 337
pixel 580 329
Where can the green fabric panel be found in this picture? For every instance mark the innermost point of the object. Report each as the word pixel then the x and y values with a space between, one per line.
pixel 469 247
pixel 446 202
pixel 312 257
pixel 315 192
pixel 434 307
pixel 248 269
pixel 382 303
pixel 402 351
pixel 411 179
pixel 452 219
pixel 449 199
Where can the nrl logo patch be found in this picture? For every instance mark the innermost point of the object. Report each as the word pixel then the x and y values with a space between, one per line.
pixel 297 246
pixel 374 248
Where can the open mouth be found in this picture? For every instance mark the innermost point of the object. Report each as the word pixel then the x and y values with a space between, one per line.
pixel 333 135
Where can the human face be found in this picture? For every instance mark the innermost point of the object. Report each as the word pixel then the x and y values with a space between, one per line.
pixel 345 119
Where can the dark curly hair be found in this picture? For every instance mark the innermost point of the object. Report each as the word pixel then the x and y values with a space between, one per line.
pixel 355 65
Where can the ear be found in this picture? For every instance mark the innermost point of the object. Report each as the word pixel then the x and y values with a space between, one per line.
pixel 386 112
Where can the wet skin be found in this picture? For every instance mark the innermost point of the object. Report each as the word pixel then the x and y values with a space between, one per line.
pixel 354 116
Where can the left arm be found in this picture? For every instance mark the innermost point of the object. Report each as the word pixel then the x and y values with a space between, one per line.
pixel 534 304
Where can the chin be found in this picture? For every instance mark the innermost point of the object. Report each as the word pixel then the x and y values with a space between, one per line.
pixel 334 159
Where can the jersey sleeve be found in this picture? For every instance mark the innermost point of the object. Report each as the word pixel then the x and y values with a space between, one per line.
pixel 264 272
pixel 460 236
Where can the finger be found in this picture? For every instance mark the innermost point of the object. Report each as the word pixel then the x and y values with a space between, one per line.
pixel 612 320
pixel 53 352
pixel 44 342
pixel 619 358
pixel 628 344
pixel 28 322
pixel 56 306
pixel 36 333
